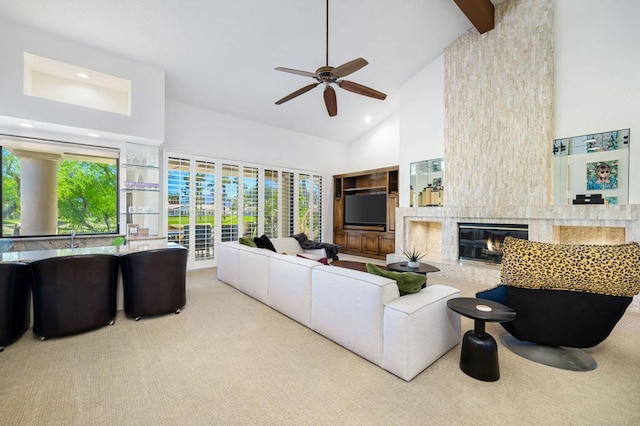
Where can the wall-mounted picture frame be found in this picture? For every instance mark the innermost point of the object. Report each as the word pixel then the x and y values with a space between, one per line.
pixel 602 175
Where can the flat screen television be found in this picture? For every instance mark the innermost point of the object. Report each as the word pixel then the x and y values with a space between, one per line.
pixel 365 209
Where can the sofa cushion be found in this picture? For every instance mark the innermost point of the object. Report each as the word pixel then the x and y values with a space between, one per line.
pixel 287 245
pixel 604 269
pixel 264 242
pixel 348 307
pixel 289 290
pixel 247 240
pixel 408 282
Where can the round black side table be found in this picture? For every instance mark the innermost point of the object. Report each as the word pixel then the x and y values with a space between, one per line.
pixel 479 357
pixel 424 268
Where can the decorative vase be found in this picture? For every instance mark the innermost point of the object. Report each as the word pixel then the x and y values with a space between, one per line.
pixel 413 264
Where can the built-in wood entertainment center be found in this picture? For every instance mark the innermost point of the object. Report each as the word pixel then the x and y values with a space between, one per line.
pixel 359 223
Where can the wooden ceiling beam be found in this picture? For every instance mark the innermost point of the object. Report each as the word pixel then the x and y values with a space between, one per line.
pixel 479 12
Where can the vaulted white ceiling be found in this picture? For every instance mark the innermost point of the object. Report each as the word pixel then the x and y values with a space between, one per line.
pixel 221 55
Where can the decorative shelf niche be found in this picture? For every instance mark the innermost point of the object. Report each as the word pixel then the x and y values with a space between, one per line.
pixel 72 84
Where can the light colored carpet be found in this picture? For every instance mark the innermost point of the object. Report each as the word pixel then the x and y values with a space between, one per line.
pixel 228 359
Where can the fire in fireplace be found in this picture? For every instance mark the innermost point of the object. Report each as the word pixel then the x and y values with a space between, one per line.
pixel 483 241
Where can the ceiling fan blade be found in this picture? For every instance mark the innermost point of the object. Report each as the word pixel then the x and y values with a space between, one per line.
pixel 361 90
pixel 330 101
pixel 299 72
pixel 298 92
pixel 348 68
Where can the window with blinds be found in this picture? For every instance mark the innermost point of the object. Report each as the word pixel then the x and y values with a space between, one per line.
pixel 288 205
pixel 316 208
pixel 304 204
pixel 310 190
pixel 178 199
pixel 271 185
pixel 213 200
pixel 229 202
pixel 205 190
pixel 250 201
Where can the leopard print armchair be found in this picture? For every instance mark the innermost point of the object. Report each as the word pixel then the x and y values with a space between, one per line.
pixel 566 295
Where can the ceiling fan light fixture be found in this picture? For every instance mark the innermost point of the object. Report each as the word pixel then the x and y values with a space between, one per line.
pixel 329 75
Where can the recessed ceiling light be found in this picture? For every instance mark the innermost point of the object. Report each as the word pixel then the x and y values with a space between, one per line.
pixel 93 135
pixel 82 75
pixel 367 119
pixel 27 125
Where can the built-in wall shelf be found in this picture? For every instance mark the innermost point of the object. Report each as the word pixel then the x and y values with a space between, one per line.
pixel 369 191
pixel 140 192
pixel 367 188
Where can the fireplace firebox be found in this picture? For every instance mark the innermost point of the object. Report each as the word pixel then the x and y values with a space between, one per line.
pixel 483 241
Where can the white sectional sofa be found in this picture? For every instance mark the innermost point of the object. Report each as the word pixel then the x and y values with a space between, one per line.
pixel 361 312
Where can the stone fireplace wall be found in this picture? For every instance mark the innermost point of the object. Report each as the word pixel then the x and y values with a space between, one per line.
pixel 498 149
pixel 499 107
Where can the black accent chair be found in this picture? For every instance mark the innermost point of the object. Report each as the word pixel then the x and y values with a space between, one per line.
pixel 73 294
pixel 565 297
pixel 15 302
pixel 559 317
pixel 154 281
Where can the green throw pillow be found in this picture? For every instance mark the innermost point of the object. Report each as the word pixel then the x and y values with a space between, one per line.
pixel 408 282
pixel 247 241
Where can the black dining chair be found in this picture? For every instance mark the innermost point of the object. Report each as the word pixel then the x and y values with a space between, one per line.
pixel 15 302
pixel 154 281
pixel 73 294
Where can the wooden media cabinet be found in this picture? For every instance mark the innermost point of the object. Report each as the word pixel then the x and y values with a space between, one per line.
pixel 366 239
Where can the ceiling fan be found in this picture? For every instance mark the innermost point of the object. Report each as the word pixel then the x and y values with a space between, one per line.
pixel 329 75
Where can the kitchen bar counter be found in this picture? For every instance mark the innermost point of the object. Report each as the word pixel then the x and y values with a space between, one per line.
pixel 33 255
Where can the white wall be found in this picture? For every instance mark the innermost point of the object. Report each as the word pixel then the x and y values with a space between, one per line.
pixel 415 133
pixel 421 122
pixel 146 123
pixel 597 59
pixel 377 148
pixel 596 86
pixel 195 130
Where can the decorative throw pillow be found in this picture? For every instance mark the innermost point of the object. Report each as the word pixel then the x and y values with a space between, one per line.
pixel 309 256
pixel 605 269
pixel 247 240
pixel 408 282
pixel 264 242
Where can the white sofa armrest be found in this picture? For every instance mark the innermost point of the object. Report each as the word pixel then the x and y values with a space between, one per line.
pixel 227 259
pixel 418 329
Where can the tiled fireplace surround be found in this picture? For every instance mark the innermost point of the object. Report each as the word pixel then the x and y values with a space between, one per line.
pixel 434 230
